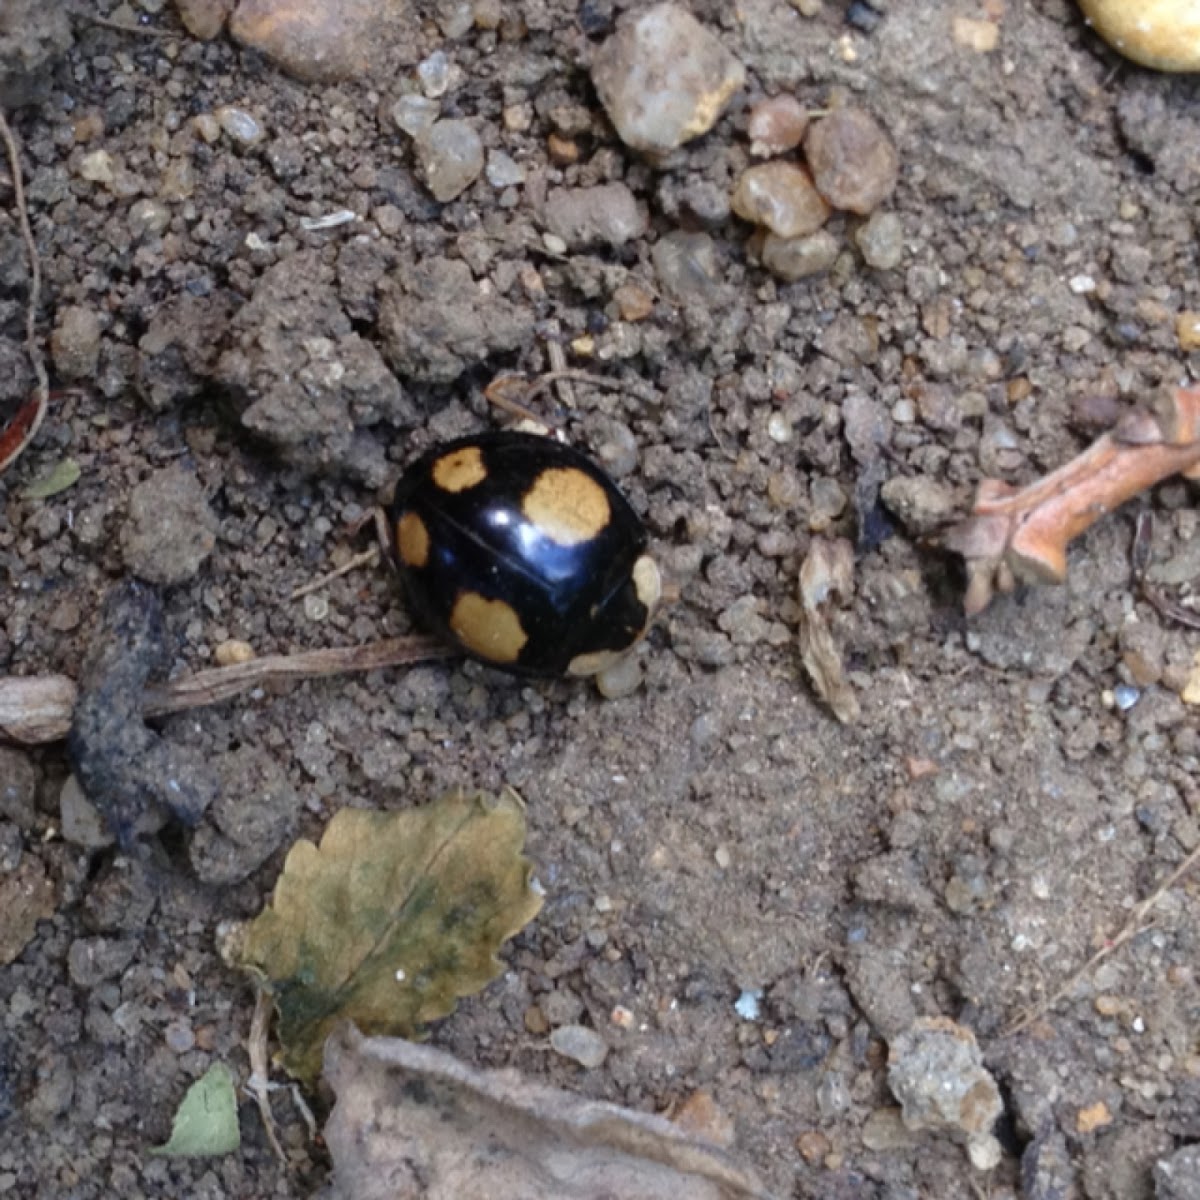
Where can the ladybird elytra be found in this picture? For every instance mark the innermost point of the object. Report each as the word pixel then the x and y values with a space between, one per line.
pixel 522 551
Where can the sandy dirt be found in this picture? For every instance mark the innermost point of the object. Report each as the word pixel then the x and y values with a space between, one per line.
pixel 962 850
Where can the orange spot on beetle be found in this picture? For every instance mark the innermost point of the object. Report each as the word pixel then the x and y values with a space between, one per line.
pixel 489 628
pixel 460 469
pixel 566 506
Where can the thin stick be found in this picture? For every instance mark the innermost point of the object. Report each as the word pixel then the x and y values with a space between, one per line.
pixel 601 381
pixel 222 683
pixel 39 709
pixel 1132 927
pixel 367 558
pixel 42 394
pixel 140 30
pixel 259 1085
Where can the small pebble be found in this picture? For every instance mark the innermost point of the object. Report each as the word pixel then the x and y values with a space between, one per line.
pixel 170 529
pixel 881 241
pixel 608 215
pixel 488 13
pixel 664 79
pixel 563 151
pixel 1164 34
pixel 1190 693
pixel 791 259
pixel 780 196
pixel 1125 696
pixel 580 1044
pixel 415 115
pixel 976 33
pixel 854 164
pixel 633 303
pixel 203 19
pixel 239 125
pixel 316 606
pixel 180 1037
pixel 776 126
pixel 231 651
pixel 686 266
pixel 1187 330
pixel 936 1071
pixel 81 822
pixel 97 167
pixel 451 158
pixel 623 678
pixel 984 1151
pixel 434 74
pixel 148 218
pixel 75 342
pixel 747 1004
pixel 1093 1117
pixel 504 171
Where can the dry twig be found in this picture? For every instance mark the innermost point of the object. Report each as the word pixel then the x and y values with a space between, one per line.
pixel 25 425
pixel 1023 534
pixel 39 708
pixel 259 1085
pixel 1133 926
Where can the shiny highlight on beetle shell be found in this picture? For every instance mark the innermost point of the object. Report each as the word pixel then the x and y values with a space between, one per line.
pixel 566 506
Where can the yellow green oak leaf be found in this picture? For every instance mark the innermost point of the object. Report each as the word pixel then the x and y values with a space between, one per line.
pixel 390 920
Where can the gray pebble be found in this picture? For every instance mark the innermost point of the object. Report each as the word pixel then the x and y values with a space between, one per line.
pixel 503 170
pixel 170 529
pixel 936 1071
pixel 623 678
pixel 1178 1176
pixel 607 215
pixel 91 960
pixel 239 125
pixel 580 1044
pixel 75 342
pixel 451 158
pixel 923 504
pixel 664 79
pixel 82 824
pixel 881 241
pixel 415 115
pixel 791 259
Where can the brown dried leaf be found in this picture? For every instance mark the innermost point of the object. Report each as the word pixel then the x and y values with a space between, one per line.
pixel 826 574
pixel 411 1121
pixel 391 920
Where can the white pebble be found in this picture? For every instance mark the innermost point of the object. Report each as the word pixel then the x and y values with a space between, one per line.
pixel 580 1044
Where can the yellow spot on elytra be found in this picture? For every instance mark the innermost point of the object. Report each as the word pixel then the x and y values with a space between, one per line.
pixel 412 540
pixel 566 505
pixel 460 469
pixel 489 628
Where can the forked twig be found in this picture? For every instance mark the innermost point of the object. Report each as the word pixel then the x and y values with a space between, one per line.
pixel 39 708
pixel 1132 927
pixel 25 425
pixel 1023 534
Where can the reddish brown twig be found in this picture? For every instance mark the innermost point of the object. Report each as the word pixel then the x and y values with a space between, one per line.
pixel 1023 534
pixel 24 426
pixel 39 708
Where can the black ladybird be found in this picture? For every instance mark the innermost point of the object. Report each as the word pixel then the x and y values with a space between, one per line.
pixel 523 552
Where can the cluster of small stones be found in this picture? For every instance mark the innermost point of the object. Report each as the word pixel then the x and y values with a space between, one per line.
pixel 850 165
